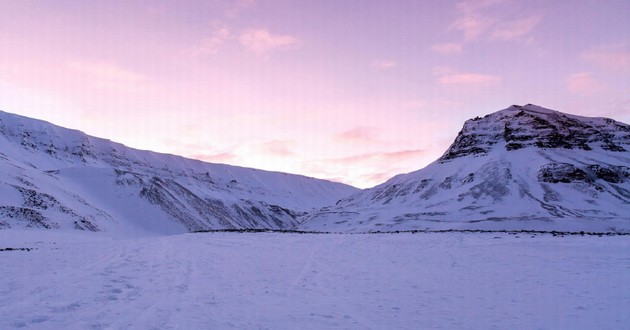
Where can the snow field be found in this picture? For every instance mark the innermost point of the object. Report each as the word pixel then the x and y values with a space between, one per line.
pixel 288 281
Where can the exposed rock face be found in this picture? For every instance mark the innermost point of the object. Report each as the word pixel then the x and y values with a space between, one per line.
pixel 524 167
pixel 568 173
pixel 532 126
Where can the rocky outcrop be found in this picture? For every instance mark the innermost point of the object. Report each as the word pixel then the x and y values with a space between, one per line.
pixel 519 127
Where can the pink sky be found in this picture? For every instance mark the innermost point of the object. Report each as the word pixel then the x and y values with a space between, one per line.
pixel 354 91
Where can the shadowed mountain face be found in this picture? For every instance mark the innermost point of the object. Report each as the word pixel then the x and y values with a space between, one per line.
pixel 56 178
pixel 524 167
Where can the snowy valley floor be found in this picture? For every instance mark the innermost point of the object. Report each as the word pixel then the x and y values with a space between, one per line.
pixel 289 281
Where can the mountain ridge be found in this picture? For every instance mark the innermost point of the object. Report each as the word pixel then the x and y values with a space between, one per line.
pixel 566 171
pixel 520 168
pixel 51 173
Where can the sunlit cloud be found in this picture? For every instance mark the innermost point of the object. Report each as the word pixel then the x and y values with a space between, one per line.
pixel 394 156
pixel 480 18
pixel 469 78
pixel 105 71
pixel 472 26
pixel 447 76
pixel 238 6
pixel 517 28
pixel 471 6
pixel 384 64
pixel 584 83
pixel 447 48
pixel 277 149
pixel 614 59
pixel 363 135
pixel 222 157
pixel 261 41
pixel 366 169
pixel 211 45
pixel 472 21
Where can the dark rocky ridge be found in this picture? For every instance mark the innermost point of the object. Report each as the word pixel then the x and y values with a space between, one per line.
pixel 532 126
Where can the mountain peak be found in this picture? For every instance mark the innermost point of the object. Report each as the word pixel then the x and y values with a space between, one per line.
pixel 520 168
pixel 532 126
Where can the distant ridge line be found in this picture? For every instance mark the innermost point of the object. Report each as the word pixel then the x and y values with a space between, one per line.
pixel 415 231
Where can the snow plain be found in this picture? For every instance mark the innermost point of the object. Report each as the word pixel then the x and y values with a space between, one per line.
pixel 71 280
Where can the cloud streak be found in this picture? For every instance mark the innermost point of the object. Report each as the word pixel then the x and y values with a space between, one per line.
pixel 211 45
pixel 447 48
pixel 584 83
pixel 447 76
pixel 394 156
pixel 614 60
pixel 362 135
pixel 104 71
pixel 516 29
pixel 473 22
pixel 479 19
pixel 238 6
pixel 384 64
pixel 223 157
pixel 366 169
pixel 277 149
pixel 261 42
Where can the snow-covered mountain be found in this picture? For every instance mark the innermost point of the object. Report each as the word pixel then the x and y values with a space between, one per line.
pixel 53 177
pixel 524 167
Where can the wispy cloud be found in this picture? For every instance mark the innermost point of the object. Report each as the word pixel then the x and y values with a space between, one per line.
pixel 612 58
pixel 105 71
pixel 473 21
pixel 447 48
pixel 235 7
pixel 366 169
pixel 473 6
pixel 364 135
pixel 483 19
pixel 277 148
pixel 380 157
pixel 472 26
pixel 384 64
pixel 468 79
pixel 211 45
pixel 223 157
pixel 261 41
pixel 584 83
pixel 516 29
pixel 447 76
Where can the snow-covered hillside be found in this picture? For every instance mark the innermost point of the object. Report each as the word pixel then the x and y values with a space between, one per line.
pixel 52 177
pixel 524 167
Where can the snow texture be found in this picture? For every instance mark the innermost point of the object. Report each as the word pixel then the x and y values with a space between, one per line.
pixel 522 168
pixel 56 178
pixel 71 280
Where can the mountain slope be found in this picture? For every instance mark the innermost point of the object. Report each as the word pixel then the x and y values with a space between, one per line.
pixel 52 177
pixel 524 167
